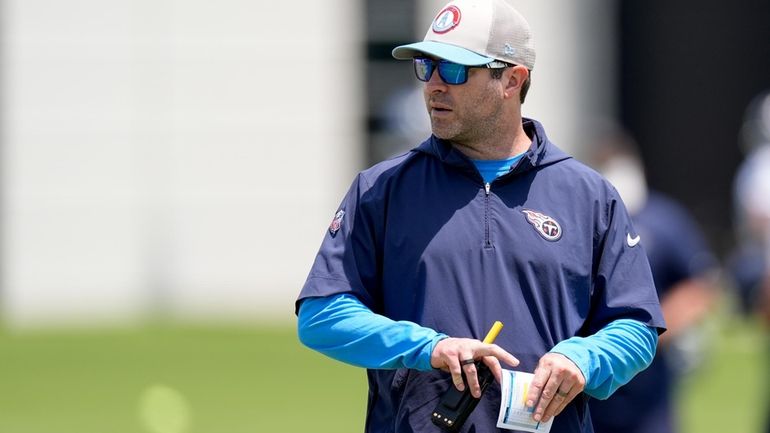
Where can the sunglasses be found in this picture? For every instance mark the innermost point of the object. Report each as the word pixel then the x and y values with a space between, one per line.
pixel 449 72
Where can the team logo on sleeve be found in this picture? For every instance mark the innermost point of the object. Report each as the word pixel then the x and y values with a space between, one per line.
pixel 544 225
pixel 334 227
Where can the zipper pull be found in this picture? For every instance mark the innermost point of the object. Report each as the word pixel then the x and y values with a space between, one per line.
pixel 487 187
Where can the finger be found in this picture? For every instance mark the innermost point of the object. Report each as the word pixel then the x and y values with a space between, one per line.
pixel 560 400
pixel 455 369
pixel 571 396
pixel 494 366
pixel 578 385
pixel 547 396
pixel 471 377
pixel 537 385
pixel 498 352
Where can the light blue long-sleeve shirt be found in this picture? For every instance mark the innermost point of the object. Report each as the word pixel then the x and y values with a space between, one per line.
pixel 343 328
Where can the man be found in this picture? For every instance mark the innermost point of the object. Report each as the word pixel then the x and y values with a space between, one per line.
pixel 749 264
pixel 486 220
pixel 684 271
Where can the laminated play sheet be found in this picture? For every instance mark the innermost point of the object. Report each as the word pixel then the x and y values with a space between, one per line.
pixel 514 414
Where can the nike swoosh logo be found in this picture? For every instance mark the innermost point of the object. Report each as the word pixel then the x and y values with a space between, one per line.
pixel 632 241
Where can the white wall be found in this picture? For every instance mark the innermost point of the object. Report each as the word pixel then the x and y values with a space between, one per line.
pixel 181 157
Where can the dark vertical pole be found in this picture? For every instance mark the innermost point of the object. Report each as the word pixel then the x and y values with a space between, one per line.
pixel 688 71
pixel 388 23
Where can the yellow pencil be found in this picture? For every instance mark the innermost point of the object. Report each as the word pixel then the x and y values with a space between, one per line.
pixel 492 334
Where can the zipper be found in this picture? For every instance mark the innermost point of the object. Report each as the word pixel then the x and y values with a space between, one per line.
pixel 487 240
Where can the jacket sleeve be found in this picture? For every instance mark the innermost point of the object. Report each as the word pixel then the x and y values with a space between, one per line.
pixel 623 286
pixel 347 261
pixel 343 328
pixel 611 357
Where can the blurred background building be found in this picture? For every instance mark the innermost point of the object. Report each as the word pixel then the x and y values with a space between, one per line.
pixel 183 159
pixel 174 158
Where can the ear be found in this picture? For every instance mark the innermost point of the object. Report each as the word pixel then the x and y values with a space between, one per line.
pixel 515 78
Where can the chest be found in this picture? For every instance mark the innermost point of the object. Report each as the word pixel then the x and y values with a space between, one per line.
pixel 519 226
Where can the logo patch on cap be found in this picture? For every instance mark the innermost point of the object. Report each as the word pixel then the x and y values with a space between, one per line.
pixel 334 227
pixel 544 225
pixel 447 19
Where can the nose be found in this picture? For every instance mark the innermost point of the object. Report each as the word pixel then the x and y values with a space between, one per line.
pixel 435 84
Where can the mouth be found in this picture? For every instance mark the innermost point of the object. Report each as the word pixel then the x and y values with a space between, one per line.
pixel 439 108
pixel 439 104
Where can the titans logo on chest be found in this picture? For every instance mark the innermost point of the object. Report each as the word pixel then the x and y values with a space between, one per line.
pixel 544 225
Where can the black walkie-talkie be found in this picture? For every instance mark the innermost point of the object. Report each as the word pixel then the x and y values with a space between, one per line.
pixel 455 406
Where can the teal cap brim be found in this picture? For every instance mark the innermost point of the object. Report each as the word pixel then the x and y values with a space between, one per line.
pixel 453 53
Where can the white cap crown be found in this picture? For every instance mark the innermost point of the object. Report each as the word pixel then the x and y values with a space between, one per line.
pixel 475 32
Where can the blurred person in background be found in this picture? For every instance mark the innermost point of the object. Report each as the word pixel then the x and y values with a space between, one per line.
pixel 404 114
pixel 485 220
pixel 684 271
pixel 749 264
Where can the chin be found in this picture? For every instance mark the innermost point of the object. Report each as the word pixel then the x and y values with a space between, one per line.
pixel 443 133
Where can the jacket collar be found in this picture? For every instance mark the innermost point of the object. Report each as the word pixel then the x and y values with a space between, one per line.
pixel 541 153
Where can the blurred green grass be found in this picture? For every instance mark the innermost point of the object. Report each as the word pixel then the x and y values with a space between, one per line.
pixel 260 379
pixel 234 379
pixel 729 391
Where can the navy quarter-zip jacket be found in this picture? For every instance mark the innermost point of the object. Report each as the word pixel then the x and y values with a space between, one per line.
pixel 544 249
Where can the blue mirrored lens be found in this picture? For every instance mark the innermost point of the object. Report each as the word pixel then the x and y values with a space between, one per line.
pixel 450 73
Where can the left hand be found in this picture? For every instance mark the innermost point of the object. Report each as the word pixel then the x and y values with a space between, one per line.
pixel 556 383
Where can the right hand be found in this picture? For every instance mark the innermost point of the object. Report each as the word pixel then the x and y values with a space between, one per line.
pixel 450 352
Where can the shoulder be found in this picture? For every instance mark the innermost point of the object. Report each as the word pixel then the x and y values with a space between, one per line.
pixel 374 184
pixel 578 178
pixel 383 173
pixel 582 171
pixel 387 168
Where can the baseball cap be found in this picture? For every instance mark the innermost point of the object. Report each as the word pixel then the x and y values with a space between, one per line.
pixel 475 32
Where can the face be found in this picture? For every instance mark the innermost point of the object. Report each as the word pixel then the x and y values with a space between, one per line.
pixel 466 112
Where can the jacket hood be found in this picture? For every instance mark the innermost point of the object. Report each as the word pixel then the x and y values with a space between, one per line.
pixel 541 153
